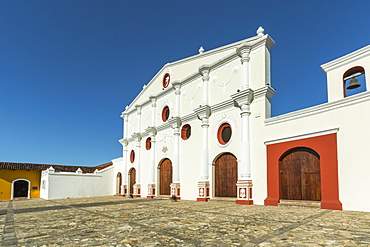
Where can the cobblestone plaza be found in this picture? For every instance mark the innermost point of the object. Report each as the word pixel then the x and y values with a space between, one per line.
pixel 117 221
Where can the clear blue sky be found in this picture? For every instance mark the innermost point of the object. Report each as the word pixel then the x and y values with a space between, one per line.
pixel 68 68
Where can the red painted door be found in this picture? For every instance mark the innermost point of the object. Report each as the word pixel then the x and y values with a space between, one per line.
pixel 226 176
pixel 165 177
pixel 300 175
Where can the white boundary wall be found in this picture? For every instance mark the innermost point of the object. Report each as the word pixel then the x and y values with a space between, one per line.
pixel 59 185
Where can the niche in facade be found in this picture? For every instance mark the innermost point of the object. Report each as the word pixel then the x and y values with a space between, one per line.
pixel 354 81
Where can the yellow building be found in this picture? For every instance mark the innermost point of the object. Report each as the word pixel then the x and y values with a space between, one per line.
pixel 23 180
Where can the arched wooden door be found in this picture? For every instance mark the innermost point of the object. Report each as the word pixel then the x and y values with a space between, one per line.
pixel 119 184
pixel 226 175
pixel 300 175
pixel 20 188
pixel 165 177
pixel 132 179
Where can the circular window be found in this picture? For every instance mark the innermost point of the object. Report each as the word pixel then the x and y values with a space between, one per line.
pixel 132 156
pixel 148 143
pixel 165 113
pixel 166 80
pixel 185 132
pixel 224 133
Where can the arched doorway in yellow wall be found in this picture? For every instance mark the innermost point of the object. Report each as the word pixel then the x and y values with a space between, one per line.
pixel 21 188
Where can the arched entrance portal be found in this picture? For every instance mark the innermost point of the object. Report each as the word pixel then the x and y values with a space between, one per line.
pixel 165 177
pixel 119 184
pixel 300 175
pixel 226 175
pixel 132 180
pixel 21 188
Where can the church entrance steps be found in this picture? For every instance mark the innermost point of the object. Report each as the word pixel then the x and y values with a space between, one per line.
pixel 163 197
pixel 223 199
pixel 299 203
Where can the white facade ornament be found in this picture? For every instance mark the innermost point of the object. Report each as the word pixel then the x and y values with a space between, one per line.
pixel 201 50
pixel 242 193
pixel 201 192
pixel 260 31
pixel 165 149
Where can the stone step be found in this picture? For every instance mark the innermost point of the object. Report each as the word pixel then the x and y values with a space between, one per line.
pixel 223 199
pixel 299 203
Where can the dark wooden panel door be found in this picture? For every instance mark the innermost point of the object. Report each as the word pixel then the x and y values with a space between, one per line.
pixel 226 176
pixel 132 180
pixel 165 175
pixel 119 183
pixel 20 188
pixel 300 175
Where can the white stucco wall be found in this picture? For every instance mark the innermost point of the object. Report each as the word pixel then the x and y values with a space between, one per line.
pixel 61 185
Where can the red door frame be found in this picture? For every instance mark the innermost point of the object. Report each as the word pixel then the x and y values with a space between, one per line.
pixel 326 147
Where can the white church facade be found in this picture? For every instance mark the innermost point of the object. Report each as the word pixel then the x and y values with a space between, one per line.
pixel 201 129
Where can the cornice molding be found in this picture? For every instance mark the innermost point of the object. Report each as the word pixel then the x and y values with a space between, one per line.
pixel 223 105
pixel 315 110
pixel 203 111
pixel 267 92
pixel 349 58
pixel 124 142
pixel 175 122
pixel 243 97
pixel 302 136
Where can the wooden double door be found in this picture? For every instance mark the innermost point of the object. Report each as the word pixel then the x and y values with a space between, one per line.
pixel 300 175
pixel 132 177
pixel 226 175
pixel 20 189
pixel 165 177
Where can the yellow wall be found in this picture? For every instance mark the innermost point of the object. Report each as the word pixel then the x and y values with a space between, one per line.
pixel 7 176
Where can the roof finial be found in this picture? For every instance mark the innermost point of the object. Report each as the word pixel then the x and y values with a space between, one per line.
pixel 260 31
pixel 201 50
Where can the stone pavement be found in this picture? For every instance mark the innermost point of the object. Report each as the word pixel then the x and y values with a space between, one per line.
pixel 117 221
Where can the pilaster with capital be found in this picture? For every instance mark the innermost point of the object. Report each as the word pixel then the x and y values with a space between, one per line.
pixel 138 138
pixel 203 113
pixel 243 52
pixel 124 143
pixel 243 99
pixel 177 86
pixel 151 186
pixel 175 123
pixel 205 70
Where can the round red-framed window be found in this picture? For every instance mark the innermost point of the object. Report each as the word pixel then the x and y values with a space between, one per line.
pixel 166 80
pixel 185 132
pixel 165 113
pixel 132 156
pixel 148 143
pixel 224 133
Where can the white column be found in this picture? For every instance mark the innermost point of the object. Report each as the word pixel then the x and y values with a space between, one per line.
pixel 137 164
pixel 243 99
pixel 124 143
pixel 176 166
pixel 203 113
pixel 204 171
pixel 245 166
pixel 204 71
pixel 243 51
pixel 152 160
pixel 175 123
pixel 153 99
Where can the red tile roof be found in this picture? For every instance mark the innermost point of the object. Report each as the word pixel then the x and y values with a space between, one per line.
pixel 58 168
